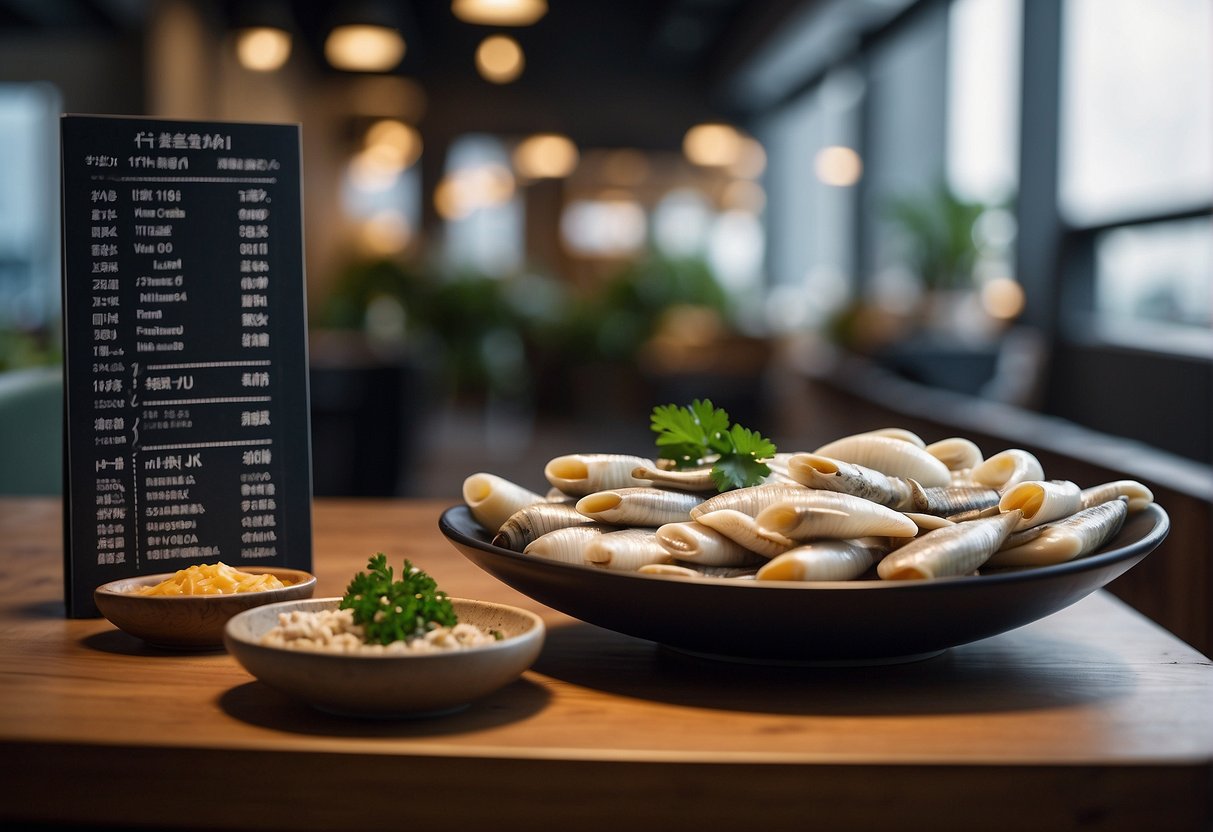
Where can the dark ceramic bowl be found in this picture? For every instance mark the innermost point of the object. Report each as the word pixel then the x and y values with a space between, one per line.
pixel 814 622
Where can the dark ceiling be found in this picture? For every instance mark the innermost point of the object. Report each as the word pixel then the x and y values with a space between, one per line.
pixel 635 72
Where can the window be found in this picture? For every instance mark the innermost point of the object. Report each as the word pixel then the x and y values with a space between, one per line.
pixel 983 99
pixel 29 207
pixel 1136 169
pixel 1156 273
pixel 1137 108
pixel 811 200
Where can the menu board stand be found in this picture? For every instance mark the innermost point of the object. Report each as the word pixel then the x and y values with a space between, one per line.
pixel 187 435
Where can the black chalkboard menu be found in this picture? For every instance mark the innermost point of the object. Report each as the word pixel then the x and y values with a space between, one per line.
pixel 185 350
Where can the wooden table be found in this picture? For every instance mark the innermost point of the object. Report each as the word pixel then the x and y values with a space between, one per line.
pixel 1091 718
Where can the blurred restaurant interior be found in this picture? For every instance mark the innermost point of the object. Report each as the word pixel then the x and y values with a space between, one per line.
pixel 521 234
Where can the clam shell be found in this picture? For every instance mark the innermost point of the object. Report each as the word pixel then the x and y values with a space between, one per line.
pixel 492 499
pixel 894 457
pixel 958 549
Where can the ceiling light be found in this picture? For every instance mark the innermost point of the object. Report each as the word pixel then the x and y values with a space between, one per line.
pixel 364 47
pixel 499 59
pixel 499 12
pixel 263 48
pixel 545 156
pixel 712 145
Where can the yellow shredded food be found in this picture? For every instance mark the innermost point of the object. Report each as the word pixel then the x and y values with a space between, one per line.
pixel 211 579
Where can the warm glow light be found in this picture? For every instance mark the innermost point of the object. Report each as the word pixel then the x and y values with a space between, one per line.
pixel 460 193
pixel 386 233
pixel 263 48
pixel 364 48
pixel 499 59
pixel 393 139
pixel 838 166
pixel 712 145
pixel 545 156
pixel 499 12
pixel 1002 298
pixel 375 169
pixel 751 159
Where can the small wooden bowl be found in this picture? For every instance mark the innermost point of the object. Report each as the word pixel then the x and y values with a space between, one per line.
pixel 190 622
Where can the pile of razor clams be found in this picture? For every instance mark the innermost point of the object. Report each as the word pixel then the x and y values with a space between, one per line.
pixel 876 505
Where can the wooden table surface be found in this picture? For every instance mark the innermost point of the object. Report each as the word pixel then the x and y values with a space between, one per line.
pixel 1091 718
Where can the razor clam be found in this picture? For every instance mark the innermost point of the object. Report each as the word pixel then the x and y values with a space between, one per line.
pixel 740 573
pixel 954 550
pixel 816 471
pixel 1007 469
pixel 692 541
pixel 581 474
pixel 929 522
pixel 951 499
pixel 555 495
pixel 626 550
pixel 963 476
pixel 894 457
pixel 1065 539
pixel 825 560
pixel 492 499
pixel 816 513
pixel 956 452
pixel 900 434
pixel 746 500
pixel 639 506
pixel 974 514
pixel 567 545
pixel 531 522
pixel 1138 495
pixel 1042 501
pixel 779 469
pixel 742 529
pixel 925 523
pixel 691 479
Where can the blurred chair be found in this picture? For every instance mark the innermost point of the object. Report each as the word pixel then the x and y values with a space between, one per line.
pixel 31 431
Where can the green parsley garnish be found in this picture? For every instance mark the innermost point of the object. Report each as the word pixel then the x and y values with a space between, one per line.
pixel 390 610
pixel 695 435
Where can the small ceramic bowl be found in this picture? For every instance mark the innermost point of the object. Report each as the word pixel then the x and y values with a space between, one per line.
pixel 190 622
pixel 389 685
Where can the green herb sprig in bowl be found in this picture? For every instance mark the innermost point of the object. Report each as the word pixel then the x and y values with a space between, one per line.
pixel 396 610
pixel 699 434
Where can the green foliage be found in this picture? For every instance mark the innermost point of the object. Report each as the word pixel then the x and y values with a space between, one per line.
pixel 28 348
pixel 389 610
pixel 494 334
pixel 695 435
pixel 939 229
pixel 612 322
pixel 481 328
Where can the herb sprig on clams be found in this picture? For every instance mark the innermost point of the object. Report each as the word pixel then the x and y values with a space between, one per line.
pixel 700 434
